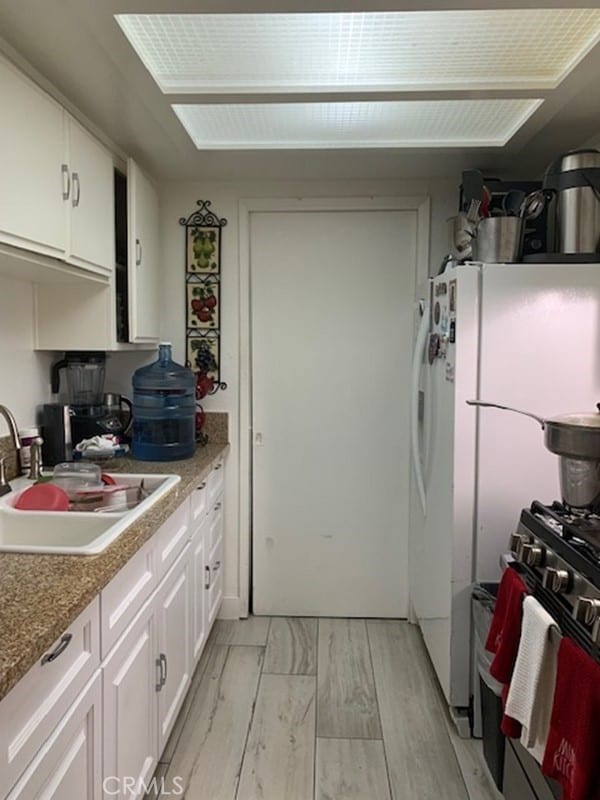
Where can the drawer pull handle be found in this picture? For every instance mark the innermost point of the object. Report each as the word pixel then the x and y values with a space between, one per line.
pixel 207 581
pixel 217 566
pixel 202 485
pixel 218 506
pixel 218 467
pixel 60 648
pixel 163 660
pixel 76 195
pixel 66 181
pixel 160 683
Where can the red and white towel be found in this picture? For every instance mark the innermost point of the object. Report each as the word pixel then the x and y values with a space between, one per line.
pixel 532 685
pixel 572 754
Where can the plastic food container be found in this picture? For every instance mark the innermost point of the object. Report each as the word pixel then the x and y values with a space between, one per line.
pixel 81 481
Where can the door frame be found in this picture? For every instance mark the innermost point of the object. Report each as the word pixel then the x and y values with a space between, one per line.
pixel 420 204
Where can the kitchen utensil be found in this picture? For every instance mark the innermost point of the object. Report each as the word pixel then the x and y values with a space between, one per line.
pixel 512 202
pixel 497 240
pixel 574 179
pixel 460 236
pixel 533 204
pixel 43 497
pixel 472 187
pixel 575 438
pixel 486 200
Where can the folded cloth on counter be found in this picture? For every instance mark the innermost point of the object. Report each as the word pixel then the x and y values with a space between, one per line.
pixel 532 684
pixel 505 630
pixel 572 755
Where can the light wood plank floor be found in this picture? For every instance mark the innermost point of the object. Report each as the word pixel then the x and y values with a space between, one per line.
pixel 329 709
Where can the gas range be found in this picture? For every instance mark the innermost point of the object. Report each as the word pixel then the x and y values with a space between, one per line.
pixel 558 553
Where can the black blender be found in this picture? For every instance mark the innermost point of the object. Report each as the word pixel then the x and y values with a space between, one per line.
pixel 91 412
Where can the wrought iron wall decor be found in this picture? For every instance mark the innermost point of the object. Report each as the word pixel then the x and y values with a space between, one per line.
pixel 203 298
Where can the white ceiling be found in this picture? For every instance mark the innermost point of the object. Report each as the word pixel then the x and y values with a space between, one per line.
pixel 80 48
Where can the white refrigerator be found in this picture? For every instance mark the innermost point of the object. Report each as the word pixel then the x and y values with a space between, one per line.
pixel 523 335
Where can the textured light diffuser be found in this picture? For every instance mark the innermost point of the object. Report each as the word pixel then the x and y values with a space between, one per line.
pixel 483 49
pixel 438 123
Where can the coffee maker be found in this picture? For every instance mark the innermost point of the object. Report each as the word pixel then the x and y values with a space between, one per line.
pixel 90 411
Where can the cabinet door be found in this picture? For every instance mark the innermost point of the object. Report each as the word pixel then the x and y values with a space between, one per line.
pixel 200 579
pixel 92 204
pixel 32 153
pixel 68 766
pixel 143 256
pixel 130 680
pixel 173 624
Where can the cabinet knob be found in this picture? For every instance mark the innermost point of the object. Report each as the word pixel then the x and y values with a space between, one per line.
pixel 218 467
pixel 218 506
pixel 202 485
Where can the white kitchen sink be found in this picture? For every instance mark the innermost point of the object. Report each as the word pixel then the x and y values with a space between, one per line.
pixel 75 532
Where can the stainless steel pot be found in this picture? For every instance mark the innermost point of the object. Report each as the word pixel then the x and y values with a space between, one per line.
pixel 575 438
pixel 498 240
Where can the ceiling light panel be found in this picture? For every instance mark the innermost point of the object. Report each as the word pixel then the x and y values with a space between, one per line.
pixel 516 48
pixel 439 123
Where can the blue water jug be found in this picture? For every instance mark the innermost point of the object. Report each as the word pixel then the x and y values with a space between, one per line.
pixel 164 410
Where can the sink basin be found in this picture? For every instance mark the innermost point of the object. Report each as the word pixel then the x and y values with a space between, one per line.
pixel 74 532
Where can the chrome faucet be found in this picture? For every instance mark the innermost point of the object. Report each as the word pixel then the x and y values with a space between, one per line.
pixel 14 433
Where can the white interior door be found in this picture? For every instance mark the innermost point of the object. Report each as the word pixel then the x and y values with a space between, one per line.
pixel 331 308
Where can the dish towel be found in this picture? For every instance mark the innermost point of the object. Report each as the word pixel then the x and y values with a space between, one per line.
pixel 505 630
pixel 532 685
pixel 572 754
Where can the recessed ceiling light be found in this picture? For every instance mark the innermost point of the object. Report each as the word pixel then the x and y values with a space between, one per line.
pixel 416 123
pixel 482 49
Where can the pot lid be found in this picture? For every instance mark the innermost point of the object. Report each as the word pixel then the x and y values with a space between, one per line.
pixel 583 419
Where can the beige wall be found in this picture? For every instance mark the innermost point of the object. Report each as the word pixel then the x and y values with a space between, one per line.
pixel 24 374
pixel 179 199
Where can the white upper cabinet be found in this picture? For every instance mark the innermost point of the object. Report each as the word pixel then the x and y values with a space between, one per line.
pixel 91 202
pixel 32 155
pixel 143 256
pixel 57 190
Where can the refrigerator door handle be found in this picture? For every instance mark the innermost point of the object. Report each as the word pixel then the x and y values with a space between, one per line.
pixel 414 426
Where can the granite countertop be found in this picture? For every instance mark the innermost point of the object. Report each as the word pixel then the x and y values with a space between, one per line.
pixel 41 595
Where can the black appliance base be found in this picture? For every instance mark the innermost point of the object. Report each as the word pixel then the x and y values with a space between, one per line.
pixel 562 258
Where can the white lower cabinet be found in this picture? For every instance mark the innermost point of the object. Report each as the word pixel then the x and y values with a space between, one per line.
pixel 149 628
pixel 200 585
pixel 130 681
pixel 69 765
pixel 173 608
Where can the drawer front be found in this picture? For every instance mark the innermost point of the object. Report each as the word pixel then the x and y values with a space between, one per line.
pixel 215 524
pixel 171 538
pixel 199 502
pixel 31 711
pixel 215 589
pixel 69 765
pixel 125 594
pixel 216 482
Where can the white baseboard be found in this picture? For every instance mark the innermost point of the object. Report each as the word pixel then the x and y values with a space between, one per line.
pixel 230 608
